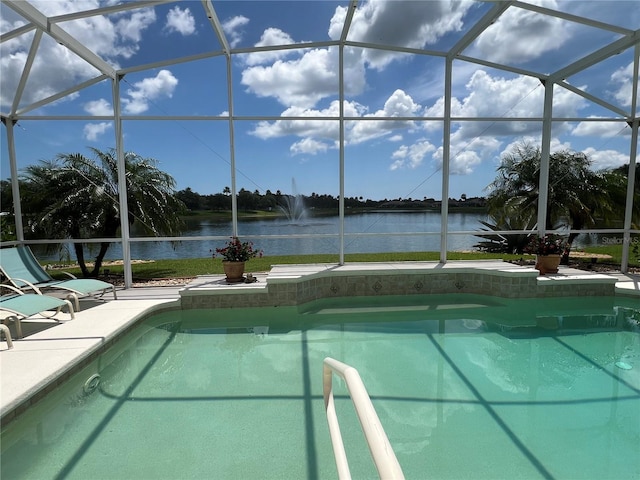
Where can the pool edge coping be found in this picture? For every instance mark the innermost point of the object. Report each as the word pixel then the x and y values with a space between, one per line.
pixel 72 344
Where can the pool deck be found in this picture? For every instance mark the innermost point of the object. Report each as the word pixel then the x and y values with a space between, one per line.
pixel 41 361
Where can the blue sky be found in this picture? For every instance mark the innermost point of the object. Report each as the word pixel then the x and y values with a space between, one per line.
pixel 384 158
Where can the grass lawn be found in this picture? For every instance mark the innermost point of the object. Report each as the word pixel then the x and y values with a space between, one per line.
pixel 191 267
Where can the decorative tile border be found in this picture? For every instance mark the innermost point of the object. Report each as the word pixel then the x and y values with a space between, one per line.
pixel 495 279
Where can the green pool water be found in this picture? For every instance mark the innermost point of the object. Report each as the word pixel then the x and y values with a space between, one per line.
pixel 466 387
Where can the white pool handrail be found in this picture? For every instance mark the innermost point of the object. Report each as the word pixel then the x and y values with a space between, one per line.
pixel 379 446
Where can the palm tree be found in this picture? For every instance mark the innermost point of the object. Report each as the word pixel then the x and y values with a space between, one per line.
pixel 621 173
pixel 77 197
pixel 578 197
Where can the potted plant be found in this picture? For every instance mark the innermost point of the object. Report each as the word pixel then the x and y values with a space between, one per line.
pixel 234 255
pixel 548 251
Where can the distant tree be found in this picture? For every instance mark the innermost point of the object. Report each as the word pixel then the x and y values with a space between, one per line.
pixel 246 200
pixel 77 197
pixel 191 199
pixel 267 201
pixel 218 202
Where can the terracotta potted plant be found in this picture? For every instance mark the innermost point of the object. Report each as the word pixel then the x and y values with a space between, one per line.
pixel 234 255
pixel 548 251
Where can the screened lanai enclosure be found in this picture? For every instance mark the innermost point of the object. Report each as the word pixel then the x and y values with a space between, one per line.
pixel 413 105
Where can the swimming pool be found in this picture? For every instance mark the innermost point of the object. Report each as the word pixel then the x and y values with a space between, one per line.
pixel 466 386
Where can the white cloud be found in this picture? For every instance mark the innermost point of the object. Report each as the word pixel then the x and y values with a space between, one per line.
pixel 555 144
pixel 270 37
pixel 148 89
pixel 490 96
pixel 301 82
pixel 521 35
pixel 623 81
pixel 464 162
pixel 308 76
pixel 601 129
pixel 140 95
pixel 92 131
pixel 411 156
pixel 465 155
pixel 318 129
pixel 131 28
pixel 377 22
pixel 232 27
pixel 99 107
pixel 603 159
pixel 7 25
pixel 308 146
pixel 493 96
pixel 112 37
pixel 313 75
pixel 399 104
pixel 471 142
pixel 180 21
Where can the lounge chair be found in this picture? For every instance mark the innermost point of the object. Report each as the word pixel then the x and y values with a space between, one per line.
pixel 23 305
pixel 23 271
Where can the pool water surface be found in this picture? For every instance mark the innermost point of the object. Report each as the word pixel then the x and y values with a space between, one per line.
pixel 466 386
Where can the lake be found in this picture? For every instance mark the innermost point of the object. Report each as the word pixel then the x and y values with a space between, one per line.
pixel 372 232
pixel 365 233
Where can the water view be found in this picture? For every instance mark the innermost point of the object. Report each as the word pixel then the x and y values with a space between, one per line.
pixel 365 233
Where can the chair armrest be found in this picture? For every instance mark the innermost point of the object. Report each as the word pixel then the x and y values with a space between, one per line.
pixel 11 287
pixel 27 284
pixel 70 275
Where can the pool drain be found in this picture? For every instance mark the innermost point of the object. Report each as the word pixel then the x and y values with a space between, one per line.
pixel 91 384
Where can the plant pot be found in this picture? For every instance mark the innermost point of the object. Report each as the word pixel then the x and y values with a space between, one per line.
pixel 234 271
pixel 547 263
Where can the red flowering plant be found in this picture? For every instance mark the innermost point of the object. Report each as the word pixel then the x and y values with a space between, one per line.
pixel 547 245
pixel 237 251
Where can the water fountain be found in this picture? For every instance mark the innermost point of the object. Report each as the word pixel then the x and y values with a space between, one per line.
pixel 293 206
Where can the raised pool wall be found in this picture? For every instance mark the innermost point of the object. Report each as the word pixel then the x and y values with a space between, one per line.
pixel 291 285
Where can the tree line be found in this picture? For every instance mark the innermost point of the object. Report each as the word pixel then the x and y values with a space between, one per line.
pixel 268 201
